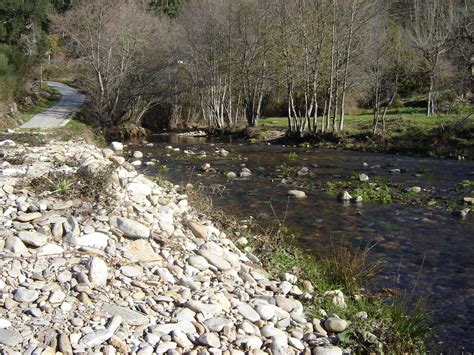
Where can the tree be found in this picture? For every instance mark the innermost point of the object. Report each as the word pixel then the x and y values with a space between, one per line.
pixel 430 31
pixel 121 47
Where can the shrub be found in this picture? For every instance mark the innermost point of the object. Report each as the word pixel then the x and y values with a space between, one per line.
pixel 13 65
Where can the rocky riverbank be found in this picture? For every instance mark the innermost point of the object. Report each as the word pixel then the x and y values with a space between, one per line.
pixel 96 257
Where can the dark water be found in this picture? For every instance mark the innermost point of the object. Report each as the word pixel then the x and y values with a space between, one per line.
pixel 424 249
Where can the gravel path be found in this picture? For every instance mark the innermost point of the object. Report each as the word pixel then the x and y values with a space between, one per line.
pixel 61 113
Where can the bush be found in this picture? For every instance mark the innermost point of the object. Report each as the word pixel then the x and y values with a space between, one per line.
pixel 13 65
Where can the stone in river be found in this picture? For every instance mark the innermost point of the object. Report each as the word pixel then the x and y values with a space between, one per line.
pixel 363 177
pixel 344 196
pixel 116 146
pixel 297 193
pixel 130 228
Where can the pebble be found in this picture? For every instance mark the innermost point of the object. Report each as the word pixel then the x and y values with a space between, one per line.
pixel 335 325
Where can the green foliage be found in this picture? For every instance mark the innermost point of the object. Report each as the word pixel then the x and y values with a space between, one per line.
pixel 13 65
pixel 164 169
pixel 170 8
pixel 62 186
pixel 292 155
pixel 373 193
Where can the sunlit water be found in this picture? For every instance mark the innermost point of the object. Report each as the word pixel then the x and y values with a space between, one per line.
pixel 425 251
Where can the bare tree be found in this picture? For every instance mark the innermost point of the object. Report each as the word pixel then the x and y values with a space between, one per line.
pixel 115 39
pixel 430 32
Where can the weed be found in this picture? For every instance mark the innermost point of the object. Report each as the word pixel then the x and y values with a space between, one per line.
pixel 291 155
pixel 349 266
pixel 465 184
pixel 163 170
pixel 373 193
pixel 62 186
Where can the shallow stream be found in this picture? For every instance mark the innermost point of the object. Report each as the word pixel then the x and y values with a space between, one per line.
pixel 426 250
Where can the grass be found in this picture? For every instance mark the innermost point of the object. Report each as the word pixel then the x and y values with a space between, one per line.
pixel 291 155
pixel 409 131
pixel 362 122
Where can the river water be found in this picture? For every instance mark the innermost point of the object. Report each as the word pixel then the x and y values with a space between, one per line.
pixel 425 250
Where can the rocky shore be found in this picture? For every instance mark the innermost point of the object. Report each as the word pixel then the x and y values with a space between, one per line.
pixel 134 269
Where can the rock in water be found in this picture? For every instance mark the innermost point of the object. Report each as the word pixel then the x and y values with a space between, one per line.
pixel 344 196
pixel 297 193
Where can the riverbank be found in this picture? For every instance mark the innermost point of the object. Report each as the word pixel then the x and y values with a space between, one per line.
pixel 408 133
pixel 112 260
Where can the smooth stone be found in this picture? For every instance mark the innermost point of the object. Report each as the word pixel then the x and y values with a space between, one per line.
pixel 231 175
pixel 213 254
pixel 25 295
pixel 266 311
pixel 116 146
pixel 198 262
pixel 98 272
pixel 344 196
pixel 27 217
pixel 139 189
pixel 197 306
pixel 57 297
pixel 49 250
pixel 10 337
pixel 131 271
pixel 5 323
pixel 199 230
pixel 128 316
pixel 415 189
pixel 64 344
pixel 210 339
pixel 335 325
pixel 131 229
pixel 363 177
pixel 248 312
pixel 33 239
pixel 142 250
pixel 327 350
pixel 95 240
pixel 216 324
pixel 297 193
pixel 16 246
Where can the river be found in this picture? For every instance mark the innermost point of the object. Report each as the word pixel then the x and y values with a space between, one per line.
pixel 426 250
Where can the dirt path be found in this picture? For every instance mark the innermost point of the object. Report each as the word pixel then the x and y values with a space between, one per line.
pixel 60 114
